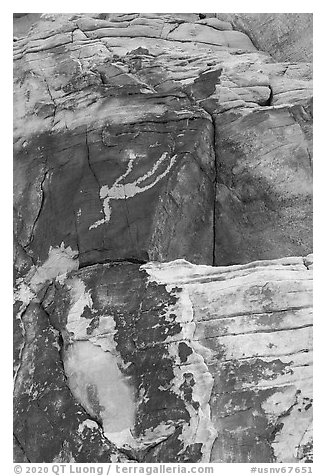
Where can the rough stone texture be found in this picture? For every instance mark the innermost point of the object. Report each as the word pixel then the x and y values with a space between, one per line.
pixel 286 36
pixel 147 138
pixel 126 127
pixel 209 364
pixel 264 200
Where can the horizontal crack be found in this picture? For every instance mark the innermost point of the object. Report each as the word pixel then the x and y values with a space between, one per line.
pixel 254 314
pixel 268 356
pixel 111 261
pixel 266 331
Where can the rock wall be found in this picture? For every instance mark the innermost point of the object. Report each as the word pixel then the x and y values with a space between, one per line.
pixel 170 362
pixel 286 36
pixel 157 157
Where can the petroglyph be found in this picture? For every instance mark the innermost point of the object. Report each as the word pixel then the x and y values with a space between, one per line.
pixel 122 191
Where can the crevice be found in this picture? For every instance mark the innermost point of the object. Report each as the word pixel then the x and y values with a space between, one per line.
pixel 309 364
pixel 286 69
pixel 255 314
pixel 154 446
pixel 215 192
pixel 220 336
pixel 309 157
pixel 89 161
pixel 130 453
pixel 52 98
pixel 24 349
pixel 38 50
pixel 39 211
pixel 101 76
pixel 269 101
pixel 266 331
pixel 173 28
pixel 264 356
pixel 193 101
pixel 26 250
pixel 168 121
pixel 214 45
pixel 110 261
pixel 278 425
pixel 307 263
pixel 20 446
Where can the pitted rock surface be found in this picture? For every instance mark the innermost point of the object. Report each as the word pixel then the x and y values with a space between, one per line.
pixel 171 362
pixel 147 149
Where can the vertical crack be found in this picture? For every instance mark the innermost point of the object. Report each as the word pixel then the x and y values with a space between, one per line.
pixel 39 210
pixel 22 351
pixel 215 190
pixel 51 97
pixel 269 101
pixel 20 446
pixel 194 102
pixel 88 158
pixel 309 157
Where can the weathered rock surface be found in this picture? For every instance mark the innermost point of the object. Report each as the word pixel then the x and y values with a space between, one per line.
pixel 286 36
pixel 209 364
pixel 142 141
pixel 264 199
pixel 127 126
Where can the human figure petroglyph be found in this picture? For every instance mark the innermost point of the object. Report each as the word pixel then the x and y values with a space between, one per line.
pixel 122 191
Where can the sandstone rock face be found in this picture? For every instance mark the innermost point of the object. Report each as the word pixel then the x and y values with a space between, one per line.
pixel 286 36
pixel 157 157
pixel 127 127
pixel 209 364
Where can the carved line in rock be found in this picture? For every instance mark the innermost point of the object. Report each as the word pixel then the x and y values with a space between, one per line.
pixel 124 191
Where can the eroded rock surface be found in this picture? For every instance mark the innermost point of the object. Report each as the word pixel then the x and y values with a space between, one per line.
pixel 142 141
pixel 286 36
pixel 169 362
pixel 127 126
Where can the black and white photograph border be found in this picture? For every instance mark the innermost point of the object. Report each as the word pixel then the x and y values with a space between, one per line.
pixel 163 238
